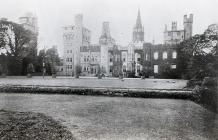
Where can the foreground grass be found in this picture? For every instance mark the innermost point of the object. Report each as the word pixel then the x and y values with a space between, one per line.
pixel 106 118
pixel 31 126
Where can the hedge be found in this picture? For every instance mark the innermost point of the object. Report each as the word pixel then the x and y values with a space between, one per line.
pixel 138 93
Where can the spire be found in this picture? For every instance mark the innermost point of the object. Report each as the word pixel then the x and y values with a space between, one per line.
pixel 138 20
pixel 138 30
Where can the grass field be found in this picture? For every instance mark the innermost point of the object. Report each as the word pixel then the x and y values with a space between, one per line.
pixel 109 118
pixel 93 82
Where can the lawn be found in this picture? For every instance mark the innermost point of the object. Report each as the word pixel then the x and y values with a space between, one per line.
pixel 92 82
pixel 109 118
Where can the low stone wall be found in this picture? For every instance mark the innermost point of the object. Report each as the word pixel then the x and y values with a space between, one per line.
pixel 120 92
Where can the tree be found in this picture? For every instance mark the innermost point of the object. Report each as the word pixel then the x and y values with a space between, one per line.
pixel 30 70
pixel 51 59
pixel 13 40
pixel 195 54
pixel 78 70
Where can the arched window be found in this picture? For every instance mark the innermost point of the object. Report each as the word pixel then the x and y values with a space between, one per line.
pixel 155 55
pixel 146 57
pixel 164 55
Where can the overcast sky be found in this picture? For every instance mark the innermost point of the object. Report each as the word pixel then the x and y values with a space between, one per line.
pixel 54 14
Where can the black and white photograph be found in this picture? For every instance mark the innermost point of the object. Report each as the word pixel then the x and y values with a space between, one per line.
pixel 109 70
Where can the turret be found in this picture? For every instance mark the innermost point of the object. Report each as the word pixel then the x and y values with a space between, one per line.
pixel 105 37
pixel 78 20
pixel 188 22
pixel 174 26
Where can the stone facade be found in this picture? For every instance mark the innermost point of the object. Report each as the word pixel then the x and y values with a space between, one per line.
pixel 106 42
pixel 90 59
pixel 158 56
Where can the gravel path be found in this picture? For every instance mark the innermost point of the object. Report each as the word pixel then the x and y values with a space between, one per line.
pixel 93 82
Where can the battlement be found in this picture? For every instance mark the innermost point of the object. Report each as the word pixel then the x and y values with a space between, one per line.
pixel 187 19
pixel 78 20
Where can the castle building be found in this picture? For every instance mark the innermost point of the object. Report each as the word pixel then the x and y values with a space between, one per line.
pixel 74 37
pixel 113 59
pixel 175 36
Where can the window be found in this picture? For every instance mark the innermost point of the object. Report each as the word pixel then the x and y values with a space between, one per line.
pixel 118 57
pixel 110 59
pixel 164 55
pixel 69 66
pixel 138 59
pixel 156 55
pixel 70 51
pixel 174 55
pixel 70 59
pixel 67 51
pixel 173 66
pixel 155 68
pixel 124 68
pixel 124 59
pixel 138 69
pixel 146 56
pixel 111 68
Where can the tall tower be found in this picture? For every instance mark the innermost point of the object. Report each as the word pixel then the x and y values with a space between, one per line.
pixel 138 30
pixel 78 35
pixel 106 42
pixel 74 37
pixel 29 22
pixel 187 22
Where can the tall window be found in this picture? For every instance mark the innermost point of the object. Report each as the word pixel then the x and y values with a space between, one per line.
pixel 174 55
pixel 164 55
pixel 155 68
pixel 124 68
pixel 138 69
pixel 155 55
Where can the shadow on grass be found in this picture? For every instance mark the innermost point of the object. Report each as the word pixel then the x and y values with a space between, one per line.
pixel 29 126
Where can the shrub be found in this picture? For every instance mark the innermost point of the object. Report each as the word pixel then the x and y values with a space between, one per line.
pixel 130 74
pixel 30 68
pixel 78 71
